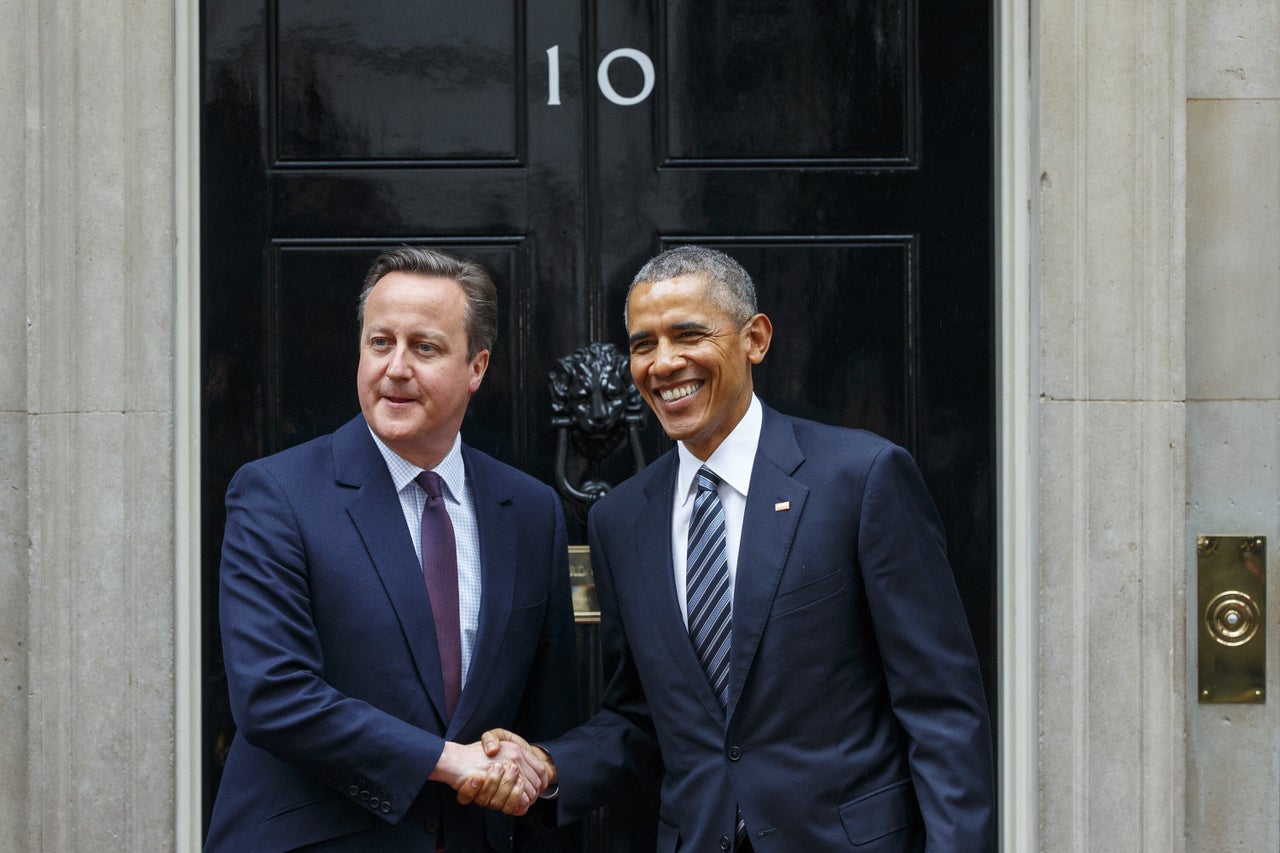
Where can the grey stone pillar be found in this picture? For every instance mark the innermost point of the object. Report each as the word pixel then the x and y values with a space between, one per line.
pixel 87 138
pixel 13 615
pixel 14 538
pixel 1108 81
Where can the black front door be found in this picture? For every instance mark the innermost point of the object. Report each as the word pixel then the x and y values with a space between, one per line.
pixel 841 150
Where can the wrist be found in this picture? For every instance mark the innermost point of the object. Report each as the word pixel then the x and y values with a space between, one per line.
pixel 449 766
pixel 553 779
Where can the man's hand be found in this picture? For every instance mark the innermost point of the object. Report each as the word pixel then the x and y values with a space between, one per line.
pixel 534 761
pixel 537 772
pixel 495 782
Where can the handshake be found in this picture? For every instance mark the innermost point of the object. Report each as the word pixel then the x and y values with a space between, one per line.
pixel 501 771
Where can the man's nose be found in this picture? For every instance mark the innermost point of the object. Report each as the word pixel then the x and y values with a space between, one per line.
pixel 667 359
pixel 399 364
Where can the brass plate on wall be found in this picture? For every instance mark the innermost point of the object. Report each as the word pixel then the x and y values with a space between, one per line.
pixel 1231 618
pixel 582 584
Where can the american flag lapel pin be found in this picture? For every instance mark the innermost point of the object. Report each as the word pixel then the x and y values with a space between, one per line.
pixel 782 506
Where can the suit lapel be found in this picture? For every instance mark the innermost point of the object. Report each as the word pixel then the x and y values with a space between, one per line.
pixel 653 525
pixel 498 559
pixel 375 511
pixel 767 533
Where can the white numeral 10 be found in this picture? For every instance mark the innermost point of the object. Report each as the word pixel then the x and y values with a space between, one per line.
pixel 602 76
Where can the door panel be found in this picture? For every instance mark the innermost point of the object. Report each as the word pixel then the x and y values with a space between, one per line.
pixel 445 79
pixel 840 149
pixel 766 83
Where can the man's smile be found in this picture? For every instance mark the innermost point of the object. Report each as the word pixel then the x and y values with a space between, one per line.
pixel 670 395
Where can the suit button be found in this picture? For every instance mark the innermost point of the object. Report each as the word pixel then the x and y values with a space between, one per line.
pixel 734 753
pixel 385 808
pixel 353 791
pixel 724 842
pixel 374 802
pixel 431 825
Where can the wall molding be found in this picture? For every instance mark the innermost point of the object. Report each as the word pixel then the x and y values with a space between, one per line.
pixel 1018 593
pixel 188 669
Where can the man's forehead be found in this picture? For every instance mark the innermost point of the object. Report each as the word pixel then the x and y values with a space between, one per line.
pixel 680 299
pixel 689 284
pixel 412 327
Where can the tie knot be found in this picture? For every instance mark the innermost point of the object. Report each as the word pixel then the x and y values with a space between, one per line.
pixel 707 480
pixel 431 483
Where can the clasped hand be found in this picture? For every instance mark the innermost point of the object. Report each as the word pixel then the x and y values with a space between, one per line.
pixel 501 771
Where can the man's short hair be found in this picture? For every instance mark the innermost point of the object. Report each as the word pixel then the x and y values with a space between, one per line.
pixel 481 314
pixel 730 286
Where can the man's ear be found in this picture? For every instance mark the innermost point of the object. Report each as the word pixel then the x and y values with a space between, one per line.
pixel 479 365
pixel 756 335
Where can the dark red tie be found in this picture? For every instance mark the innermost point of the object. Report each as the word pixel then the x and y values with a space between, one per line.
pixel 440 569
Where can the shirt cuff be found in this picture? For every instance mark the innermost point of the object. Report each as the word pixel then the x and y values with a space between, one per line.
pixel 553 790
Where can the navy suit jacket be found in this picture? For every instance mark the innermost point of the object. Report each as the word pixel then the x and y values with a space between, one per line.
pixel 856 715
pixel 332 664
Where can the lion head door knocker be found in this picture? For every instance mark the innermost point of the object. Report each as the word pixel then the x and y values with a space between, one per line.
pixel 594 407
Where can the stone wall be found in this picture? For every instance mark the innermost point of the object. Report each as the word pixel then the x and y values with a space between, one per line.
pixel 1154 143
pixel 86 425
pixel 1107 83
pixel 14 538
pixel 1233 386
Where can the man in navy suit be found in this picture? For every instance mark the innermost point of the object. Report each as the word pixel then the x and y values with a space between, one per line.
pixel 358 695
pixel 829 697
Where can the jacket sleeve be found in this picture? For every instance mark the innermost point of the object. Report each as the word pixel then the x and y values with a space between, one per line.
pixel 280 700
pixel 615 753
pixel 549 706
pixel 930 664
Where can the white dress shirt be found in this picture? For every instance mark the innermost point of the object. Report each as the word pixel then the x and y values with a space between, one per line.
pixel 732 462
pixel 462 515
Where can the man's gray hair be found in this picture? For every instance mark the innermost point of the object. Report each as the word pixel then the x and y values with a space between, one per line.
pixel 730 286
pixel 481 315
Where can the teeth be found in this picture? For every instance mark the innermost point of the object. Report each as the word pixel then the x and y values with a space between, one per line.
pixel 673 394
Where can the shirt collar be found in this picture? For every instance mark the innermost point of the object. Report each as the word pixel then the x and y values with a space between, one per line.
pixel 450 469
pixel 732 461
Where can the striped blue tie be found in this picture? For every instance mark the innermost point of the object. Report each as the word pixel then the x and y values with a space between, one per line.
pixel 707 589
pixel 710 599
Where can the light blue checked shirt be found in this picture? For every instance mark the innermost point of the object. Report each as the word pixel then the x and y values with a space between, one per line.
pixel 462 514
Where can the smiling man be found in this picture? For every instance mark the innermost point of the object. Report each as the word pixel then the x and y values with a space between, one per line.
pixel 387 593
pixel 782 633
